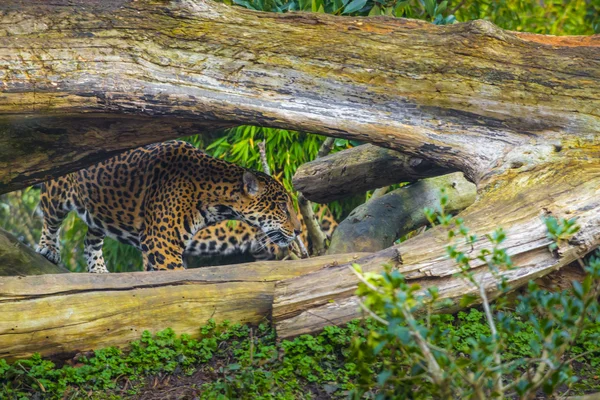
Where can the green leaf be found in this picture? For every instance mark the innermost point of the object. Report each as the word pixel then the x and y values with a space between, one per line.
pixel 354 6
pixel 376 10
pixel 468 299
pixel 441 7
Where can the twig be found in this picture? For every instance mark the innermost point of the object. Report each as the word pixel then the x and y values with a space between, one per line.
pixel 436 371
pixel 315 233
pixel 372 314
pixel 455 9
pixel 251 347
pixel 263 157
pixel 303 250
pixel 363 280
pixel 34 378
pixel 317 236
pixel 490 318
pixel 326 147
pixel 377 193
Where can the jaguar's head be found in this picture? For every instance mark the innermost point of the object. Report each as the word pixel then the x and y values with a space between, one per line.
pixel 265 203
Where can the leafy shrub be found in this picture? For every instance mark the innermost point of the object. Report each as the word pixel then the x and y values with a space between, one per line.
pixel 515 354
pixel 237 361
pixel 555 17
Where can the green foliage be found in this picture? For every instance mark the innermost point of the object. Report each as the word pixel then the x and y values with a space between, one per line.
pixel 556 17
pixel 242 362
pixel 237 361
pixel 560 230
pixel 496 353
pixel 103 370
pixel 431 10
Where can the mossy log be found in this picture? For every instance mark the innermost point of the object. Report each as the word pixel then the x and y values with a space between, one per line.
pixel 16 259
pixel 357 170
pixel 517 113
pixel 375 225
pixel 53 314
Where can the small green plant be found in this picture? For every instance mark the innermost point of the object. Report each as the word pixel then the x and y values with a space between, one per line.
pixel 423 353
pixel 240 362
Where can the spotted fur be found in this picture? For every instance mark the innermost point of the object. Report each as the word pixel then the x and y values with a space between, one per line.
pixel 224 239
pixel 157 197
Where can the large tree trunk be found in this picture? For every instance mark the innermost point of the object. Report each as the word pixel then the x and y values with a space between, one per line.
pixel 446 93
pixel 519 114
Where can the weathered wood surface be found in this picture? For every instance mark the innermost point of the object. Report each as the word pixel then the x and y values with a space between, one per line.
pixel 310 302
pixel 442 93
pixel 16 259
pixel 37 148
pixel 375 225
pixel 67 313
pixel 357 170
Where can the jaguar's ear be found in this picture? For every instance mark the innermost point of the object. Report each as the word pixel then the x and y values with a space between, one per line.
pixel 251 184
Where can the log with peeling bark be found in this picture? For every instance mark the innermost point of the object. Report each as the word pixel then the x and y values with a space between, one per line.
pixel 54 314
pixel 16 259
pixel 375 225
pixel 517 113
pixel 356 170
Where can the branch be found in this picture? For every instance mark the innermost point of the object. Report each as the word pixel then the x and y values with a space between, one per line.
pixel 356 170
pixel 375 225
pixel 263 157
pixel 316 235
pixel 326 147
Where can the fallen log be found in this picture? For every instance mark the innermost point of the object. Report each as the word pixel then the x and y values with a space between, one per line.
pixel 357 170
pixel 16 259
pixel 308 303
pixel 53 314
pixel 376 224
pixel 446 95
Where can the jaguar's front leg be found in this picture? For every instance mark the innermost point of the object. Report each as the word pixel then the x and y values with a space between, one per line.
pixel 94 240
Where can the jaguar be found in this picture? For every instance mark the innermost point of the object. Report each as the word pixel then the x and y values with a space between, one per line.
pixel 156 198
